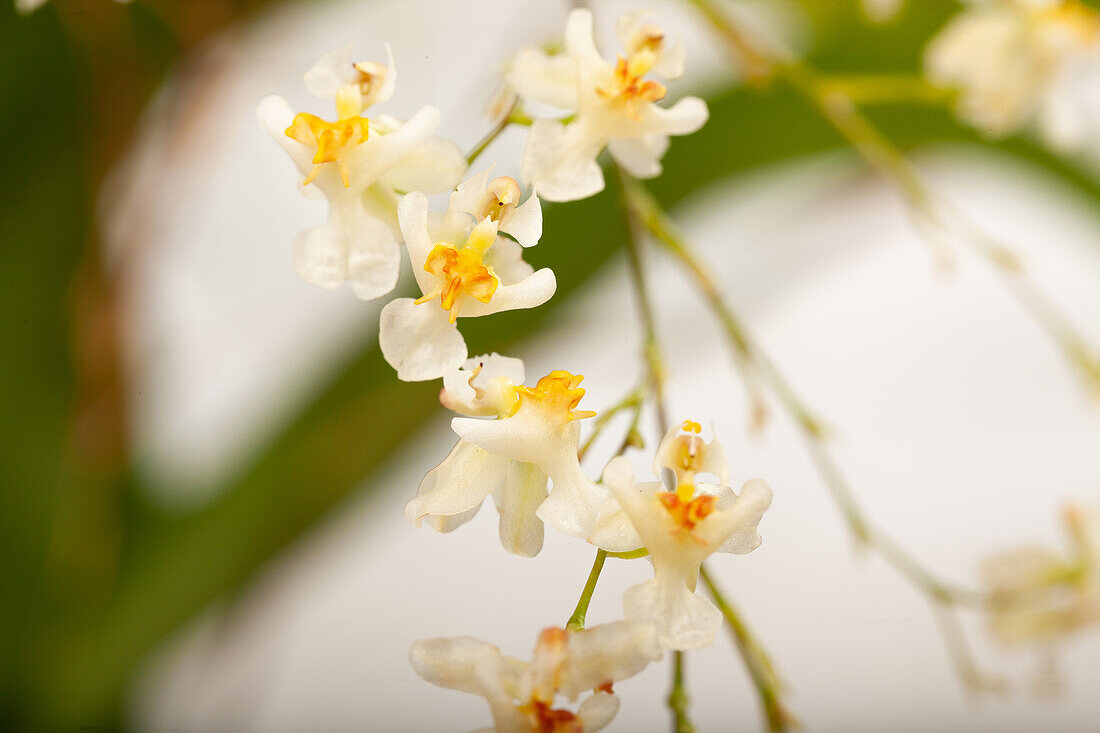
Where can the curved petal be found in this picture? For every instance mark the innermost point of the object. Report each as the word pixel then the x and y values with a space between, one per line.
pixel 506 259
pixel 468 195
pixel 445 523
pixel 561 161
pixel 613 530
pixel 275 117
pixel 738 525
pixel 530 292
pixel 682 118
pixel 684 620
pixel 471 393
pixel 575 502
pixel 321 256
pixel 330 72
pixel 412 217
pixel 525 221
pixel 434 166
pixel 540 77
pixel 670 59
pixel 389 82
pixel 597 712
pixel 579 39
pixel 458 484
pixel 524 489
pixel 373 159
pixel 418 340
pixel 453 663
pixel 607 653
pixel 374 257
pixel 639 156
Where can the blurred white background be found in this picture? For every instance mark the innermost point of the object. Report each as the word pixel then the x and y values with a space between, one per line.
pixel 961 428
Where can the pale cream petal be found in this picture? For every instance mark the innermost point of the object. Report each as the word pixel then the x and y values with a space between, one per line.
pixel 458 484
pixel 529 436
pixel 530 292
pixel 453 663
pixel 613 530
pixel 684 619
pixel 469 194
pixel 495 374
pixel 374 257
pixel 682 118
pixel 525 221
pixel 373 159
pixel 561 160
pixel 419 341
pixel 580 41
pixel 445 523
pixel 275 117
pixel 597 712
pixel 734 530
pixel 506 259
pixel 540 77
pixel 434 166
pixel 639 156
pixel 321 256
pixel 524 489
pixel 389 83
pixel 329 73
pixel 575 501
pixel 412 216
pixel 607 653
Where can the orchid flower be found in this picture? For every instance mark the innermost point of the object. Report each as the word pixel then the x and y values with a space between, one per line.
pixel 613 106
pixel 1040 595
pixel 522 696
pixel 359 165
pixel 680 529
pixel 464 269
pixel 1015 62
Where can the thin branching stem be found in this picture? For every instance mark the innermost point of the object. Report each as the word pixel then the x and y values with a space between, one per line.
pixel 576 621
pixel 513 115
pixel 632 402
pixel 756 660
pixel 938 220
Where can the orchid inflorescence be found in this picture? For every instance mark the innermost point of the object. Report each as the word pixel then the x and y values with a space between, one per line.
pixel 518 438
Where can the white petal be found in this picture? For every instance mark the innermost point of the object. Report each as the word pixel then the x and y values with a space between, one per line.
pixel 412 215
pixel 321 256
pixel 524 489
pixel 561 161
pixel 530 292
pixel 445 523
pixel 682 118
pixel 374 158
pixel 539 77
pixel 434 166
pixel 525 221
pixel 607 653
pixel 458 484
pixel 597 712
pixel 575 502
pixel 419 341
pixel 495 373
pixel 275 117
pixel 452 663
pixel 469 194
pixel 389 83
pixel 374 259
pixel 506 259
pixel 580 43
pixel 329 73
pixel 740 521
pixel 684 620
pixel 670 61
pixel 639 156
pixel 613 530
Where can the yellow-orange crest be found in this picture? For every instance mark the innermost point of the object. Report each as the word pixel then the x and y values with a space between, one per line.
pixel 558 391
pixel 1076 16
pixel 629 87
pixel 460 272
pixel 685 511
pixel 331 139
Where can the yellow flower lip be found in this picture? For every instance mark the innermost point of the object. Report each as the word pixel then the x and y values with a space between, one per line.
pixel 686 512
pixel 557 391
pixel 628 86
pixel 462 272
pixel 331 139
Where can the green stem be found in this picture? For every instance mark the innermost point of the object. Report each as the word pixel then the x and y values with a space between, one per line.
pixel 633 402
pixel 756 660
pixel 513 116
pixel 678 698
pixel 576 621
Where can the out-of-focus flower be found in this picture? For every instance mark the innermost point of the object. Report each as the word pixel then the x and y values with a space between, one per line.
pixel 522 695
pixel 532 441
pixel 360 166
pixel 680 529
pixel 614 106
pixel 882 11
pixel 26 7
pixel 1015 62
pixel 1039 595
pixel 462 262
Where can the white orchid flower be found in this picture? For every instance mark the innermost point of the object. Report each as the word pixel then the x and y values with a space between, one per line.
pixel 522 696
pixel 680 529
pixel 533 440
pixel 359 165
pixel 1015 62
pixel 473 273
pixel 1039 595
pixel 614 106
pixel 543 431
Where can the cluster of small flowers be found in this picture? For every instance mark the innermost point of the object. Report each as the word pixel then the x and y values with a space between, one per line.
pixel 1021 62
pixel 517 443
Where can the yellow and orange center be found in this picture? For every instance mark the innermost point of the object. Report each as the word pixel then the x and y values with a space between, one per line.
pixel 461 272
pixel 549 720
pixel 686 511
pixel 331 139
pixel 1076 16
pixel 558 392
pixel 629 85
